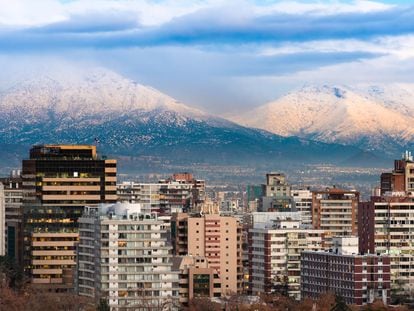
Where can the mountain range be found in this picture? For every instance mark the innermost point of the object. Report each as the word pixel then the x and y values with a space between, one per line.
pixel 378 118
pixel 313 124
pixel 135 121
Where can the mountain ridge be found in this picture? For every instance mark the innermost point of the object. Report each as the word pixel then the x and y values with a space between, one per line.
pixel 340 114
pixel 133 120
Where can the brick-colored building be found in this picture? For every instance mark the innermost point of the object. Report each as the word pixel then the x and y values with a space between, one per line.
pixel 275 253
pixel 358 279
pixel 218 238
pixel 401 179
pixel 386 226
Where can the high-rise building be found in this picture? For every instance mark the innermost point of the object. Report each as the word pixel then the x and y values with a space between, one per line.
pixel 123 257
pixel 335 211
pixel 13 196
pixel 386 226
pixel 358 279
pixel 58 182
pixel 218 238
pixel 275 248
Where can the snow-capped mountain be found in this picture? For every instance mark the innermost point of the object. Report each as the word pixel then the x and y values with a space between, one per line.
pixel 370 117
pixel 130 119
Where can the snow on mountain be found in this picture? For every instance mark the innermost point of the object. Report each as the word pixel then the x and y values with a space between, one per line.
pixel 74 95
pixel 77 105
pixel 373 118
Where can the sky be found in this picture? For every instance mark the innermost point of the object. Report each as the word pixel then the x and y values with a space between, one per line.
pixel 222 56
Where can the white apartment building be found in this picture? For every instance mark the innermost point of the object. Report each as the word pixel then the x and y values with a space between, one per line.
pixel 123 257
pixel 275 254
pixel 165 197
pixel 303 203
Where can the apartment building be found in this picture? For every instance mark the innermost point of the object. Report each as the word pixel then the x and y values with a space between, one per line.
pixel 302 198
pixel 275 251
pixel 196 278
pixel 401 179
pixel 179 193
pixel 58 181
pixel 358 279
pixel 124 258
pixel 387 227
pixel 215 237
pixel 13 199
pixel 335 211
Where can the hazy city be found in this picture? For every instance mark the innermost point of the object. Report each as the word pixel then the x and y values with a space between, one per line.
pixel 206 155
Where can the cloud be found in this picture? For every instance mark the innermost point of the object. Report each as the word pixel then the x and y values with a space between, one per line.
pixel 216 26
pixel 218 54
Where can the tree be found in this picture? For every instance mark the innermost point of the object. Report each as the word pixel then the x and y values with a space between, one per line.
pixel 340 304
pixel 103 305
pixel 203 304
pixel 12 272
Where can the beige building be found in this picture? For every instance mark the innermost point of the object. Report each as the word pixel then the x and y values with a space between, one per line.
pixel 335 211
pixel 196 278
pixel 219 239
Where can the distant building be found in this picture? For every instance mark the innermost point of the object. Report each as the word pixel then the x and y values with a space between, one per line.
pixel 196 278
pixel 123 257
pixel 401 179
pixel 275 249
pixel 335 211
pixel 277 194
pixel 276 185
pixel 217 238
pixel 180 193
pixel 358 279
pixel 302 198
pixel 58 182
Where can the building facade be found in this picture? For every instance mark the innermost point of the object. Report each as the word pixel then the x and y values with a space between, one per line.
pixel 124 258
pixel 335 211
pixel 13 199
pixel 358 279
pixel 196 278
pixel 275 253
pixel 58 182
pixel 303 204
pixel 217 238
pixel 387 227
pixel 180 193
